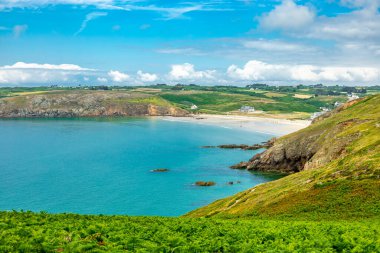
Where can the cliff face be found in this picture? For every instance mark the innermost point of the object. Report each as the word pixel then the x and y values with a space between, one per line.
pixel 86 104
pixel 335 166
pixel 309 148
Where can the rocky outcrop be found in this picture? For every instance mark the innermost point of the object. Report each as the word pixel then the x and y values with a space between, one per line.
pixel 306 149
pixel 160 170
pixel 266 144
pixel 68 104
pixel 204 183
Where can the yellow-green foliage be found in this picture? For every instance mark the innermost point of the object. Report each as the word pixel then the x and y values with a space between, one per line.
pixel 29 232
pixel 345 188
pixel 153 100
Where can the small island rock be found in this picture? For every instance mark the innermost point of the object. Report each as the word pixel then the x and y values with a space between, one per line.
pixel 160 170
pixel 203 183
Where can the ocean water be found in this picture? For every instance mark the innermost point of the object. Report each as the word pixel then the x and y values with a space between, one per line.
pixel 103 166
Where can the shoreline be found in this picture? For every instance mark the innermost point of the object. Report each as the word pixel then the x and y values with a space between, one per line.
pixel 276 127
pixel 265 125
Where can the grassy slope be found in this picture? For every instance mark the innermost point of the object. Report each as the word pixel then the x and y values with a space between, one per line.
pixel 345 188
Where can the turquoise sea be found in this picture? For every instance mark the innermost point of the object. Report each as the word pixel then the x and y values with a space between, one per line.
pixel 103 166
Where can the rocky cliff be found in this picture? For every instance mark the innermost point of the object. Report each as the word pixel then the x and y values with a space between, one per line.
pixel 334 165
pixel 86 104
pixel 309 148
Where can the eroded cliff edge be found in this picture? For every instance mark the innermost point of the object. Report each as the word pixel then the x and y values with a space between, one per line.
pixel 338 159
pixel 308 148
pixel 62 104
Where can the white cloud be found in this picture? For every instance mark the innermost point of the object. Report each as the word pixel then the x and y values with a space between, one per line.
pixel 23 65
pixel 261 71
pixel 186 71
pixel 118 76
pixel 18 30
pixel 186 51
pixel 167 13
pixel 361 3
pixel 9 4
pixel 89 17
pixel 273 45
pixel 102 79
pixel 301 21
pixel 287 15
pixel 34 73
pixel 357 25
pixel 146 77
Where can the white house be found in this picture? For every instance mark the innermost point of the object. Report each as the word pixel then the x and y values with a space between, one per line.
pixel 194 107
pixel 247 109
pixel 352 96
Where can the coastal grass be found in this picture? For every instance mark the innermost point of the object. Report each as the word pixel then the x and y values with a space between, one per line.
pixel 347 187
pixel 42 232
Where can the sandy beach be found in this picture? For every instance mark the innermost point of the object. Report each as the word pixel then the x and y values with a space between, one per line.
pixel 276 127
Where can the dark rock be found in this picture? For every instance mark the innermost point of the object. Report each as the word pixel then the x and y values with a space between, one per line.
pixel 266 144
pixel 160 170
pixel 240 166
pixel 204 183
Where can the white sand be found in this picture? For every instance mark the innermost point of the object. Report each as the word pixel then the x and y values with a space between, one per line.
pixel 277 127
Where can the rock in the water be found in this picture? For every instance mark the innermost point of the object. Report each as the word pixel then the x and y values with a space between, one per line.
pixel 240 166
pixel 160 170
pixel 204 183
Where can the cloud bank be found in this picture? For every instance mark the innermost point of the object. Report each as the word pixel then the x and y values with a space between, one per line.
pixel 22 73
pixel 261 71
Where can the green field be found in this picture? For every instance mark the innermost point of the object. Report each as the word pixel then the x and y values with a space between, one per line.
pixel 29 232
pixel 293 101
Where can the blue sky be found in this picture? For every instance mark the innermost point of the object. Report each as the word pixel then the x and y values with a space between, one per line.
pixel 136 42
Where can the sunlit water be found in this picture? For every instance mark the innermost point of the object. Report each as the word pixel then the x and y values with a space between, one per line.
pixel 104 166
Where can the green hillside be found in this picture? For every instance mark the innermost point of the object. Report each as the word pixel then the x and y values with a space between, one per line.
pixel 28 232
pixel 339 160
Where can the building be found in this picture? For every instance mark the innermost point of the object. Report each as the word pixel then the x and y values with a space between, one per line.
pixel 247 109
pixel 194 107
pixel 352 96
pixel 317 114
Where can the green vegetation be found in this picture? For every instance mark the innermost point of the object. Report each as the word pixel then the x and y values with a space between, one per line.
pixel 222 102
pixel 29 232
pixel 345 187
pixel 333 207
pixel 291 101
